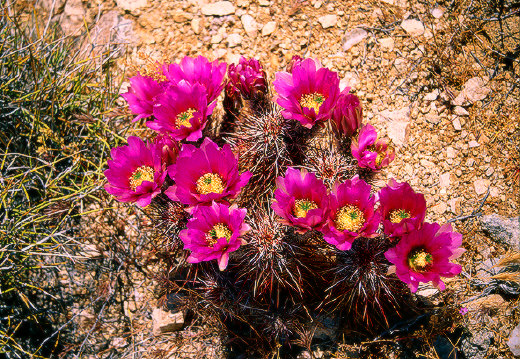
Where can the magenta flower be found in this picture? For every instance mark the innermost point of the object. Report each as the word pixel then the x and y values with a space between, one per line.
pixel 424 255
pixel 348 114
pixel 308 94
pixel 214 232
pixel 141 95
pixel 205 174
pixel 371 152
pixel 351 214
pixel 248 78
pixel 182 111
pixel 135 173
pixel 169 150
pixel 198 70
pixel 295 60
pixel 301 200
pixel 401 208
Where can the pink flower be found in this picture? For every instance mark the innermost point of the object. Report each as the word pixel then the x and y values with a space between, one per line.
pixel 308 94
pixel 371 152
pixel 141 95
pixel 348 114
pixel 248 78
pixel 401 208
pixel 424 255
pixel 463 310
pixel 205 174
pixel 351 214
pixel 301 200
pixel 182 111
pixel 198 70
pixel 169 150
pixel 214 232
pixel 135 173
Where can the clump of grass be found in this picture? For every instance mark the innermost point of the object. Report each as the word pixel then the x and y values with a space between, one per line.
pixel 54 102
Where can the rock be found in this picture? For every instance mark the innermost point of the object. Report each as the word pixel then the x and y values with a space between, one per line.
pixel 439 208
pixel 489 171
pixel 444 180
pixel 73 15
pixel 264 3
pixel 413 27
pixel 432 96
pixel 460 111
pixel 502 229
pixel 195 25
pixel 514 341
pixel 164 321
pixel 387 43
pixel 481 186
pixel 433 118
pixel 397 125
pixel 456 124
pixel 473 144
pixel 445 348
pixel 249 24
pixel 219 8
pixel 493 301
pixel 181 17
pixel 476 345
pixel 474 89
pixel 53 6
pixel 450 152
pixel 131 5
pixel 269 28
pixel 328 21
pixel 234 40
pixel 437 12
pixel 216 39
pixel 353 37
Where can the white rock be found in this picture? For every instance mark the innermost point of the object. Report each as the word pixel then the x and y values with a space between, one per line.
pixel 413 27
pixel 473 144
pixel 456 124
pixel 439 208
pixel 481 185
pixel 514 341
pixel 353 37
pixel 269 28
pixel 73 17
pixel 131 5
pixel 460 111
pixel 216 39
pixel 397 125
pixel 351 79
pixel 444 180
pixel 234 40
pixel 432 96
pixel 219 8
pixel 387 43
pixel 450 152
pixel 327 21
pixel 264 3
pixel 437 12
pixel 474 89
pixel 195 25
pixel 164 321
pixel 249 24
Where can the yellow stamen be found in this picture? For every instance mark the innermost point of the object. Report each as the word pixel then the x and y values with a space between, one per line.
pixel 419 260
pixel 219 230
pixel 312 100
pixel 183 119
pixel 141 174
pixel 397 215
pixel 210 183
pixel 349 218
pixel 302 206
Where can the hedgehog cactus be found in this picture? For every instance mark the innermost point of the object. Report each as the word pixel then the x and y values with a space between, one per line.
pixel 268 224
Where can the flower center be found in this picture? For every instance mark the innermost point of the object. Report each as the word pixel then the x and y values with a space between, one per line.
pixel 419 260
pixel 183 119
pixel 312 100
pixel 141 174
pixel 210 183
pixel 397 215
pixel 302 206
pixel 219 230
pixel 349 218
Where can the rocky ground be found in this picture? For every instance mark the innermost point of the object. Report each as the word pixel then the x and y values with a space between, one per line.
pixel 427 79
